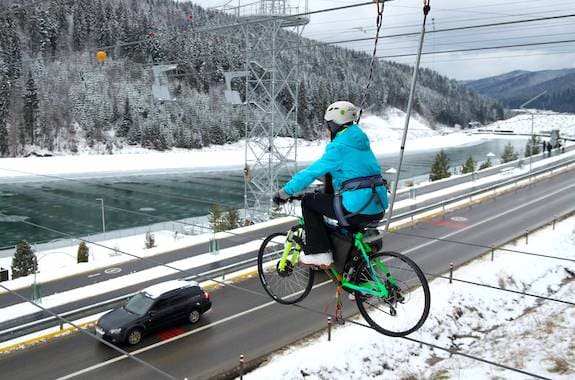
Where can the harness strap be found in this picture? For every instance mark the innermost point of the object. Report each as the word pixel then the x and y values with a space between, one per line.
pixel 356 184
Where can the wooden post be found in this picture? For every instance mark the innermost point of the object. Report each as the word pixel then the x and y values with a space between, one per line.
pixel 241 367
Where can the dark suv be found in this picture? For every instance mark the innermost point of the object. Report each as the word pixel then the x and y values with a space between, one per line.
pixel 159 306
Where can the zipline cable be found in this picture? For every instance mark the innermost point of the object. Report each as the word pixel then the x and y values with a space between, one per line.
pixel 426 9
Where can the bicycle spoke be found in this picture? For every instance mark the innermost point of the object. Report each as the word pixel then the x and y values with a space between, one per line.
pixel 288 286
pixel 407 305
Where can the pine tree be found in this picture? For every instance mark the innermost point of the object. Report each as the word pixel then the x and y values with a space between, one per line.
pixel 79 30
pixel 509 154
pixel 24 261
pixel 4 104
pixel 231 219
pixel 485 164
pixel 468 166
pixel 127 121
pixel 215 218
pixel 31 105
pixel 440 167
pixel 83 252
pixel 10 51
pixel 533 146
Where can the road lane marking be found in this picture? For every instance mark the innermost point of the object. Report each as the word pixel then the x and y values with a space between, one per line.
pixel 161 343
pixel 94 275
pixel 538 200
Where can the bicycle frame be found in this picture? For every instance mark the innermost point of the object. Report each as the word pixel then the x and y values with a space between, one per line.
pixel 378 289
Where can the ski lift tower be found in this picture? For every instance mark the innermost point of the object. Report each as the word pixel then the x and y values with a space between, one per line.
pixel 272 31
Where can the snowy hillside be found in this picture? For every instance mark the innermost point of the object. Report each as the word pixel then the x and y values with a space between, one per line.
pixel 518 331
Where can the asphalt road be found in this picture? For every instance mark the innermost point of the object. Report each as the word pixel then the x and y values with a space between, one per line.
pixel 244 322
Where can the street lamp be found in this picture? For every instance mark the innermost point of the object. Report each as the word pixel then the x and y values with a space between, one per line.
pixel 103 217
pixel 36 292
pixel 532 122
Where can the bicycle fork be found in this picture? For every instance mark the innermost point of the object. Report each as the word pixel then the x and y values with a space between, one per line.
pixel 290 246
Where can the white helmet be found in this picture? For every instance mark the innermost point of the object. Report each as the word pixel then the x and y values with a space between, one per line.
pixel 341 113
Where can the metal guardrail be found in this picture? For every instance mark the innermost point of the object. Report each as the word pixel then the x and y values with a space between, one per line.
pixel 27 328
pixel 483 190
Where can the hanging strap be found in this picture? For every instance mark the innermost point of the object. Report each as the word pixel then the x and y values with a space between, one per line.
pixel 426 9
pixel 379 22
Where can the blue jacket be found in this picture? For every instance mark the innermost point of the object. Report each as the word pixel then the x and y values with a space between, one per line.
pixel 348 156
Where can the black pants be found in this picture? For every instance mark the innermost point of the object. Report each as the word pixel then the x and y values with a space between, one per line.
pixel 314 207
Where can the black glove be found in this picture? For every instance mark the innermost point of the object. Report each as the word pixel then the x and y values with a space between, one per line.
pixel 280 197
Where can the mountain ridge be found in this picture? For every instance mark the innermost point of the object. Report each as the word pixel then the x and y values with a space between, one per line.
pixel 518 86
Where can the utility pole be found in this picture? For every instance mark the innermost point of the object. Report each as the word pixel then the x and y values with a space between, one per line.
pixel 532 123
pixel 103 217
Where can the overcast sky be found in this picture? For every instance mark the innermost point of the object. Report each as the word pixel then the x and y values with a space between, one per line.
pixel 404 16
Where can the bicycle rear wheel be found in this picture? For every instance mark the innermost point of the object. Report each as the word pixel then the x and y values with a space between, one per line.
pixel 288 286
pixel 407 306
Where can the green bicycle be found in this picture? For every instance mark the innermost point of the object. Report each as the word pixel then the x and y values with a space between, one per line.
pixel 391 291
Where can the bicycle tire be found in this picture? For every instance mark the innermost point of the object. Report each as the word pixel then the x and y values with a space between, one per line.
pixel 290 287
pixel 411 286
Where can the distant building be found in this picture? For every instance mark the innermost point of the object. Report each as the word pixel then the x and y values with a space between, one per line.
pixel 473 124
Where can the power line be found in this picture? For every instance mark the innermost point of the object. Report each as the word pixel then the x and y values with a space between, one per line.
pixel 482 246
pixel 477 49
pixel 495 364
pixel 458 43
pixel 453 29
pixel 458 21
pixel 83 331
pixel 499 288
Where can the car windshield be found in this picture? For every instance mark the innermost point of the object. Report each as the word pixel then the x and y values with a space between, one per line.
pixel 139 304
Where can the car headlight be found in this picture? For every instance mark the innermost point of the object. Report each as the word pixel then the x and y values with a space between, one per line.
pixel 115 331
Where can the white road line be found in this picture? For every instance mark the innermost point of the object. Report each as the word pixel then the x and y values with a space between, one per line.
pixel 161 343
pixel 538 200
pixel 94 275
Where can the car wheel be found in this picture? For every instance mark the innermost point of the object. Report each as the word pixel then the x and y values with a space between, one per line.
pixel 134 337
pixel 194 316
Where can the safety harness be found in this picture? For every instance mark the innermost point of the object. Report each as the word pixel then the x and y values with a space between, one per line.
pixel 370 182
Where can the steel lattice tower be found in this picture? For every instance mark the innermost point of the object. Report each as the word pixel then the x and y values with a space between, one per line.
pixel 272 32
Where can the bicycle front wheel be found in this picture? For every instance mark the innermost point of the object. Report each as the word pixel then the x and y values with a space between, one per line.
pixel 406 307
pixel 289 286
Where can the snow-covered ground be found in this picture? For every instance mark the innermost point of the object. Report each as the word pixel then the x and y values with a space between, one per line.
pixel 531 334
pixel 385 133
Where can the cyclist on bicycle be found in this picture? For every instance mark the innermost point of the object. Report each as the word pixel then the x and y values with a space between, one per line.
pixel 360 195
